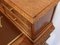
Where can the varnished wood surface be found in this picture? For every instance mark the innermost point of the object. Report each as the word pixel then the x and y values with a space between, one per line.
pixel 44 35
pixel 24 25
pixel 23 40
pixel 27 16
pixel 39 40
pixel 32 7
pixel 8 31
pixel 47 30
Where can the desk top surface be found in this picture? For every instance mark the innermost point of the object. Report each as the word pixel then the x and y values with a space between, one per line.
pixel 32 8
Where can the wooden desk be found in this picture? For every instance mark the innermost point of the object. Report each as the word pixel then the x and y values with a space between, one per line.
pixel 32 17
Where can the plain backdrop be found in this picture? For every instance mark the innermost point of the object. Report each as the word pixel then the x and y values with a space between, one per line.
pixel 55 35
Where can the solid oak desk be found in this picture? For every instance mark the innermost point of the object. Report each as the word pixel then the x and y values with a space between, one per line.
pixel 32 17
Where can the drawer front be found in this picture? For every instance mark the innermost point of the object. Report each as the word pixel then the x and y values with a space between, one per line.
pixel 8 31
pixel 14 12
pixel 15 15
pixel 17 21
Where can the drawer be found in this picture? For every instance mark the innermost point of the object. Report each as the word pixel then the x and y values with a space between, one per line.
pixel 15 14
pixel 23 40
pixel 10 13
pixel 8 31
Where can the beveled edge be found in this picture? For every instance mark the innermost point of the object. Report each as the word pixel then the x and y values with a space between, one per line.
pixel 32 20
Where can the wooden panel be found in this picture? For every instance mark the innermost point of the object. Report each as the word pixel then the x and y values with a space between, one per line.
pixel 32 7
pixel 23 24
pixel 42 22
pixel 31 17
pixel 23 40
pixel 13 13
pixel 44 34
pixel 17 21
pixel 8 31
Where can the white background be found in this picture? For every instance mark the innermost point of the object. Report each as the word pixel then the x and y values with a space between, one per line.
pixel 55 35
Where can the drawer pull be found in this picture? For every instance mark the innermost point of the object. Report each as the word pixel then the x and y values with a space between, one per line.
pixel 0 21
pixel 14 19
